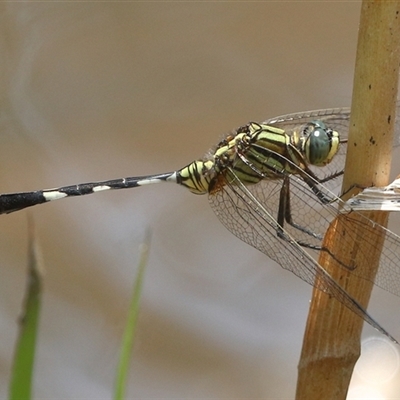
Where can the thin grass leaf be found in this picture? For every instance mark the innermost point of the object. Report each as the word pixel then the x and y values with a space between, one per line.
pixel 22 370
pixel 130 328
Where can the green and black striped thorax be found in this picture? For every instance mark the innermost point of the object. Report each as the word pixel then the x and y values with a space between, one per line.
pixel 257 151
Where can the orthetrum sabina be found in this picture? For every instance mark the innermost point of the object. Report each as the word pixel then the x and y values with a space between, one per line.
pixel 271 185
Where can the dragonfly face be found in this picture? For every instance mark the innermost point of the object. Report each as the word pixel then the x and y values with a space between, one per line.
pixel 319 144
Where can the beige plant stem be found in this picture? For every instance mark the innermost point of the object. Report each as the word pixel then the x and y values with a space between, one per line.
pixel 331 343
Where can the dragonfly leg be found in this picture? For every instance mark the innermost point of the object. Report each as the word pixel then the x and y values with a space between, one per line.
pixel 330 177
pixel 313 182
pixel 284 213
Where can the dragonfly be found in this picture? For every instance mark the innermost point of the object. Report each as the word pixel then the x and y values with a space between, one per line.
pixel 274 186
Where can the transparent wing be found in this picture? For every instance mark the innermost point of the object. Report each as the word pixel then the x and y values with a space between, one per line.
pixel 249 213
pixel 335 118
pixel 309 213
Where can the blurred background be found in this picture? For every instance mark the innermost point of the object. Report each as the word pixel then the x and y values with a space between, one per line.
pixel 94 91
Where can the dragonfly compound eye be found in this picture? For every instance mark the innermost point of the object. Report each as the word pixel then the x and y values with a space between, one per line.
pixel 320 144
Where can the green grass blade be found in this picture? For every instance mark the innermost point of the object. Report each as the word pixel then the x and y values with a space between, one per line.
pixel 130 328
pixel 22 370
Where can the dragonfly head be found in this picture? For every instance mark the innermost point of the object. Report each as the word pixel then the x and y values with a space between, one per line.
pixel 319 144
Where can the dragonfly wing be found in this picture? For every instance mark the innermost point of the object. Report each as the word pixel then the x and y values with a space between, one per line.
pixel 307 211
pixel 335 118
pixel 246 217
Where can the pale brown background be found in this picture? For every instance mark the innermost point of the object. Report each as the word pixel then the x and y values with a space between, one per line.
pixel 91 91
